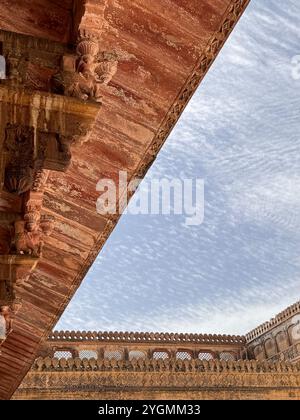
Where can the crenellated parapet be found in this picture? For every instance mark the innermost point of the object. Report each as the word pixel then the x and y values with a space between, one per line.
pixel 145 337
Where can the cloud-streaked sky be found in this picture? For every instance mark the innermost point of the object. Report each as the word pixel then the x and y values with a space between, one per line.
pixel 241 134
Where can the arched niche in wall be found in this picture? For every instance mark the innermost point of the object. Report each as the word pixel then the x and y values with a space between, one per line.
pixel 294 333
pixel 282 341
pixel 258 352
pixel 270 347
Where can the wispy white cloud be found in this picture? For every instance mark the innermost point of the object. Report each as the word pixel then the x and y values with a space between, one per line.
pixel 241 134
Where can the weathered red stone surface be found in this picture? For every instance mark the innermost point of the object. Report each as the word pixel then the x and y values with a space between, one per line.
pixel 50 19
pixel 164 49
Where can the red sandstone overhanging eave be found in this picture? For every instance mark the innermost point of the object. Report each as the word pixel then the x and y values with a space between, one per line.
pixel 41 18
pixel 165 49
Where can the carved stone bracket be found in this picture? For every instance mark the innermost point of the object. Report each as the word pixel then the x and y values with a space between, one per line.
pixel 21 242
pixel 84 75
pixel 29 233
pixel 29 152
pixel 82 71
pixel 19 170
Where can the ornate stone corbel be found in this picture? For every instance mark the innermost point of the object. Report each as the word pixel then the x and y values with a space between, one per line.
pixel 22 235
pixel 22 242
pixel 29 152
pixel 20 149
pixel 29 237
pixel 84 75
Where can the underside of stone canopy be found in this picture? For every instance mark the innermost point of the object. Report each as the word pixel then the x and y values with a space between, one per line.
pixel 87 89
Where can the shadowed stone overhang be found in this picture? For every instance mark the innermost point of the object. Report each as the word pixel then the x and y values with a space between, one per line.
pixel 164 49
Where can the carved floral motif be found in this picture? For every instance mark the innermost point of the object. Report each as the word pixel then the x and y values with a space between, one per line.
pixel 19 172
pixel 29 153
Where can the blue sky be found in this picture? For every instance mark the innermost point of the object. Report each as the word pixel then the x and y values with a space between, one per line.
pixel 240 133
